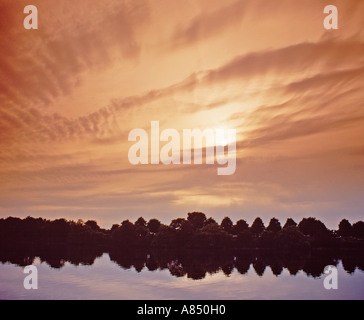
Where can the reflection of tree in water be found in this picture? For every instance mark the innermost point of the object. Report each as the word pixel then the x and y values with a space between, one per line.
pixel 350 262
pixel 243 262
pixel 176 268
pixel 315 263
pixel 54 256
pixel 293 263
pixel 259 267
pixel 227 269
pixel 129 258
pixel 151 263
pixel 193 264
pixel 349 265
pixel 195 272
pixel 277 268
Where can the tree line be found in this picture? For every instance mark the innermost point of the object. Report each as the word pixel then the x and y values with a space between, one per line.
pixel 194 232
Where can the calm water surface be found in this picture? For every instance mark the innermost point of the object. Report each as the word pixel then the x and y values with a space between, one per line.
pixel 106 279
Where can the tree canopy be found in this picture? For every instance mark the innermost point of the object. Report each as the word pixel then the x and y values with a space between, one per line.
pixel 194 232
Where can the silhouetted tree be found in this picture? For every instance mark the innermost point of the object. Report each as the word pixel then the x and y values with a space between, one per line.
pixel 141 222
pixel 289 223
pixel 291 237
pixel 274 225
pixel 212 236
pixel 240 226
pixel 165 238
pixel 345 228
pixel 227 225
pixel 154 225
pixel 126 235
pixel 257 227
pixel 114 227
pixel 93 225
pixel 358 229
pixel 210 220
pixel 58 230
pixel 312 227
pixel 197 219
pixel 178 224
pixel 183 231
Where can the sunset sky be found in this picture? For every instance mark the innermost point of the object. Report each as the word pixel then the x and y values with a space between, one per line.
pixel 71 91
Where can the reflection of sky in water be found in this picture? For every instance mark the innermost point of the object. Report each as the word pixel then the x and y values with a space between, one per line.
pixel 106 280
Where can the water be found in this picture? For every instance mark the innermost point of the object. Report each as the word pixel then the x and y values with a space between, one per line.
pixel 125 277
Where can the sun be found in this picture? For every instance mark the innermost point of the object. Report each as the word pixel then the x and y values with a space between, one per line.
pixel 223 138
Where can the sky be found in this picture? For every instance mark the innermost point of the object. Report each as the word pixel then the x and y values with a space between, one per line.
pixel 72 90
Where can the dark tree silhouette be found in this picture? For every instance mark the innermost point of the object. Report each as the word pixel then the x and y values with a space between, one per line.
pixel 210 220
pixel 345 228
pixel 93 225
pixel 125 235
pixel 141 229
pixel 240 226
pixel 227 225
pixel 114 227
pixel 312 227
pixel 291 237
pixel 165 238
pixel 179 224
pixel 141 222
pixel 58 230
pixel 289 223
pixel 154 225
pixel 257 227
pixel 184 232
pixel 358 229
pixel 197 219
pixel 212 236
pixel 274 225
pixel 195 232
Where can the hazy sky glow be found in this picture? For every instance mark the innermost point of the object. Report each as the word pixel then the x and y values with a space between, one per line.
pixel 71 91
